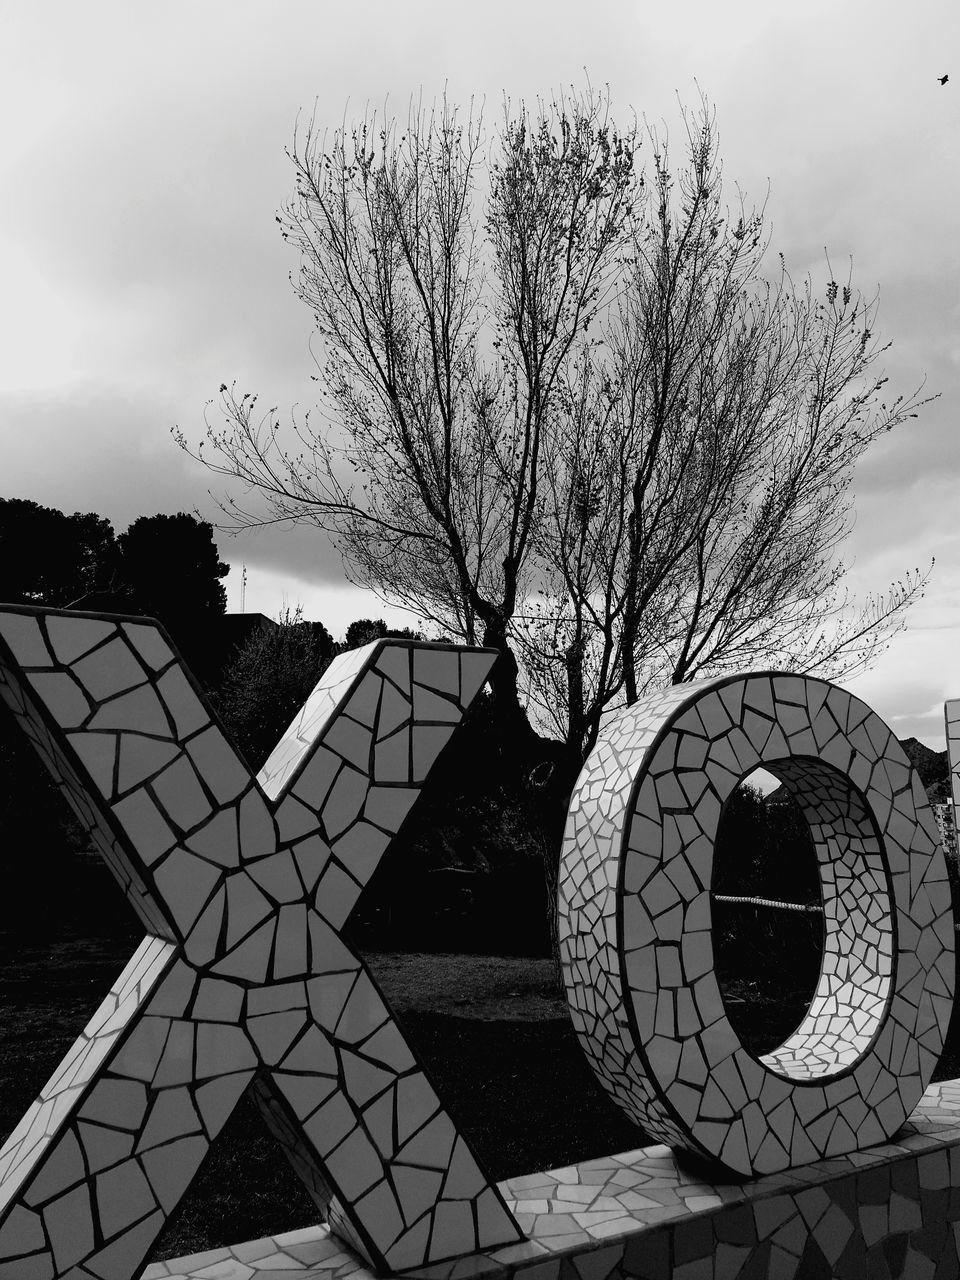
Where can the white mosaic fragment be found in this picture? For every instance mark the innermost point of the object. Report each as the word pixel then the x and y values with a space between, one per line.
pixel 350 741
pixel 247 907
pixel 428 741
pixel 391 758
pixel 387 807
pixel 68 1222
pixel 141 758
pixel 294 819
pixel 180 796
pixel 98 754
pixel 355 1166
pixel 395 710
pixel 139 710
pixel 258 833
pixel 335 898
pixel 311 857
pixel 217 1098
pixel 218 765
pixel 122 1102
pixel 72 638
pixel 430 1146
pixel 218 840
pixel 274 1033
pixel 452 1222
pixel 251 957
pixel 104 1146
pixel 203 938
pixel 185 882
pixel 313 785
pixel 182 701
pixel 291 949
pixel 475 667
pixel 124 1197
pixel 345 801
pixel 149 644
pixel 108 670
pixel 22 1232
pixel 62 696
pixel 361 848
pixel 55 1178
pixel 171 1169
pixel 418 1190
pixel 394 662
pixel 278 877
pixel 364 700
pixel 430 706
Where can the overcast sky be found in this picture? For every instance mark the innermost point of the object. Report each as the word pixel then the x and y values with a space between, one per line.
pixel 142 164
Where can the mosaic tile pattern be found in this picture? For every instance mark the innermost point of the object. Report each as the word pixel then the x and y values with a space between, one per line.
pixel 635 923
pixel 951 716
pixel 244 885
pixel 891 1211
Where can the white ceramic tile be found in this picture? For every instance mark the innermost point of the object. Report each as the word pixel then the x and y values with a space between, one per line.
pixel 140 710
pixel 392 758
pixel 62 696
pixel 218 765
pixel 180 796
pixel 141 758
pixel 149 644
pixel 108 670
pixel 181 700
pixel 73 637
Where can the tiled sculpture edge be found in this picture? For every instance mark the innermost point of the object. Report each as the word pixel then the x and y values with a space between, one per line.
pixel 244 979
pixel 635 943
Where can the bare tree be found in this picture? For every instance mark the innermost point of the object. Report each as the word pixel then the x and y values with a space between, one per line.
pixel 697 484
pixel 591 398
pixel 445 350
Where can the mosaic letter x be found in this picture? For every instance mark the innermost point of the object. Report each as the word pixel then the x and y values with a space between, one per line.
pixel 244 885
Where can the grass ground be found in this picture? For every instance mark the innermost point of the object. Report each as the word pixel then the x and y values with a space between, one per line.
pixel 493 1032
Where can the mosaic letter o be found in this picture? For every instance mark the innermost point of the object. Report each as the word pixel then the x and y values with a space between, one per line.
pixel 635 923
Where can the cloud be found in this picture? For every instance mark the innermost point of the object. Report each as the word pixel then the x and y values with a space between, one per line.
pixel 109 450
pixel 909 687
pixel 95 448
pixel 142 265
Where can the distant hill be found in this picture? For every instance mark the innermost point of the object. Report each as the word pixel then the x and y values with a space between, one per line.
pixel 932 767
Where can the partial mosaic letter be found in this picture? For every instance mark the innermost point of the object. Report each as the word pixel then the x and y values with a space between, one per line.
pixel 244 886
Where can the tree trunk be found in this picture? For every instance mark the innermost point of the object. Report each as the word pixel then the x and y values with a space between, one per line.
pixel 509 716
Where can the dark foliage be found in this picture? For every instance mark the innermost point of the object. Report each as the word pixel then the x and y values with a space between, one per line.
pixel 40 837
pixel 268 681
pixel 366 630
pixel 50 558
pixel 163 566
pixel 171 570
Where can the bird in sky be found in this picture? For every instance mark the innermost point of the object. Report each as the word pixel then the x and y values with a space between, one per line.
pixel 943 79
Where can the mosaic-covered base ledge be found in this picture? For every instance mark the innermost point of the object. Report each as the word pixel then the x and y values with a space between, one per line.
pixel 892 1210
